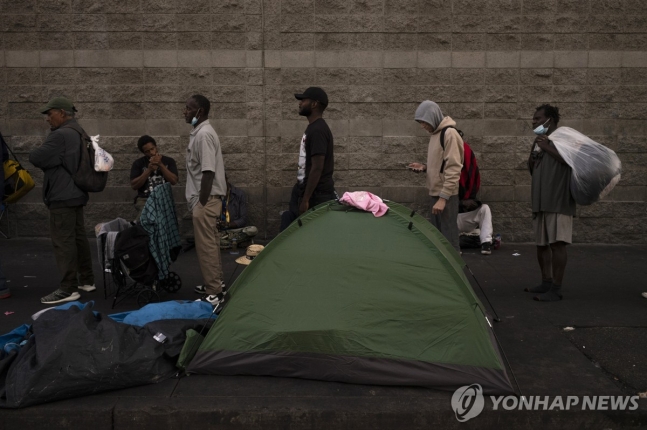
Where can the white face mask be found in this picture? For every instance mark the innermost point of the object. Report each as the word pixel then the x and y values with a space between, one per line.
pixel 195 119
pixel 542 129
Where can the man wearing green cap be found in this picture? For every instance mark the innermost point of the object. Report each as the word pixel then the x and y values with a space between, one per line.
pixel 59 157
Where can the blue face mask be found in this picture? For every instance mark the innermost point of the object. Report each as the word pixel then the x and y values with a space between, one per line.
pixel 542 129
pixel 195 119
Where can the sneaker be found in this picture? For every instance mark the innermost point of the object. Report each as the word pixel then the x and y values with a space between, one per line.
pixel 87 288
pixel 60 296
pixel 215 300
pixel 5 293
pixel 486 248
pixel 201 289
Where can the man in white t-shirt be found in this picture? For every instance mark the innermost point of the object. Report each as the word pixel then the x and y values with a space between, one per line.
pixel 205 187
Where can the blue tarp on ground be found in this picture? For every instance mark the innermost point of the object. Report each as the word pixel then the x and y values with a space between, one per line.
pixel 12 340
pixel 171 310
pixel 77 352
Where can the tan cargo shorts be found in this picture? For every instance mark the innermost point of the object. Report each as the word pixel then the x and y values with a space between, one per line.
pixel 551 227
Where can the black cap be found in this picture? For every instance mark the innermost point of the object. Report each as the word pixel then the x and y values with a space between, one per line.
pixel 314 93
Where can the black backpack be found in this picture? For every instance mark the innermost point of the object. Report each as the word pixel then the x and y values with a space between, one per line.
pixel 85 177
pixel 131 248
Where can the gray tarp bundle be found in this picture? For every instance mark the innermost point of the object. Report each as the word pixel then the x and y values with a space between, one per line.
pixel 74 352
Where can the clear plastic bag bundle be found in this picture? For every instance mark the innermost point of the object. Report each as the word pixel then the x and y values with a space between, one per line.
pixel 595 168
pixel 103 161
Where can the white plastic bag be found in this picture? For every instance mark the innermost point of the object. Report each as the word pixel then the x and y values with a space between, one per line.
pixel 595 168
pixel 103 161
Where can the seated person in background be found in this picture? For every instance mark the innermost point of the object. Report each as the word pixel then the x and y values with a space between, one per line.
pixel 233 221
pixel 149 171
pixel 472 213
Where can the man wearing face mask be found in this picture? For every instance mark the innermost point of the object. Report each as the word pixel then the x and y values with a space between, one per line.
pixel 553 206
pixel 315 184
pixel 205 187
pixel 443 169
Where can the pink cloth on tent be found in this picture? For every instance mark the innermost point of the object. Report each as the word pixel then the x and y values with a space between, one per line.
pixel 365 201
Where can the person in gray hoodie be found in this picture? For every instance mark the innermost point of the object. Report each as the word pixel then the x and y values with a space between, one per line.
pixel 443 168
pixel 58 157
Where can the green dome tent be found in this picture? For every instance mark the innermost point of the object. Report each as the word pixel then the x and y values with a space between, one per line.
pixel 344 296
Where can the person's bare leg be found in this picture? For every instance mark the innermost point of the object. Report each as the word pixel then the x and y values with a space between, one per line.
pixel 558 263
pixel 544 257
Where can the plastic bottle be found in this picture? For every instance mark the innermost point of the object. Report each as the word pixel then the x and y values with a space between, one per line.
pixel 497 241
pixel 234 246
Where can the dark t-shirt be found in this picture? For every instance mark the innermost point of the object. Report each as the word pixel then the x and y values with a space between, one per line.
pixel 156 178
pixel 319 141
pixel 551 186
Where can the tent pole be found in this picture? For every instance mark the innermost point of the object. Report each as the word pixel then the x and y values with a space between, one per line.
pixel 505 357
pixel 216 309
pixel 496 315
pixel 497 319
pixel 232 275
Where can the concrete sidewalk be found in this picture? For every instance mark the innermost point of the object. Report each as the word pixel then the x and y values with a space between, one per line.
pixel 606 354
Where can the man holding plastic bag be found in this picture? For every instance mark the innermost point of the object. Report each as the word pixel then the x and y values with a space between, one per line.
pixel 567 168
pixel 553 206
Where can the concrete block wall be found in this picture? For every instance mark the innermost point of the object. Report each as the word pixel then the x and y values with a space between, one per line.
pixel 130 65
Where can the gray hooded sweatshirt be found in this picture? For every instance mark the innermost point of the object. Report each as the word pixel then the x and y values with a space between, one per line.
pixel 443 165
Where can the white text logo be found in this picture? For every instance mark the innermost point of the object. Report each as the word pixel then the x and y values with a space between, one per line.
pixel 565 403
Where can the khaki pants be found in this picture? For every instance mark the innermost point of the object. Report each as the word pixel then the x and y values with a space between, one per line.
pixel 207 243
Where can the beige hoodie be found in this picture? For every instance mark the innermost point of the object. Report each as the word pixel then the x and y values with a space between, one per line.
pixel 444 184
